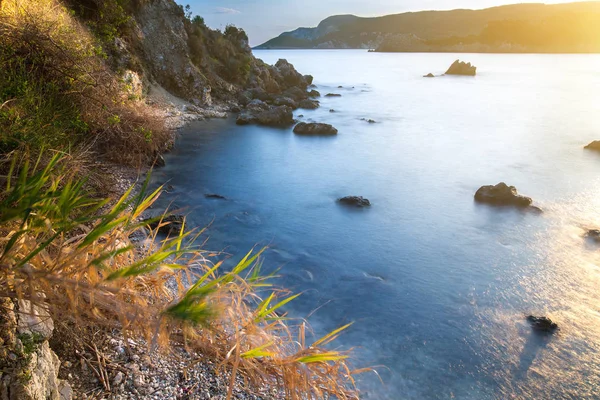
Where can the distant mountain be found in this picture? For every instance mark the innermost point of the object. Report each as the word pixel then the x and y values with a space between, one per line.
pixel 517 28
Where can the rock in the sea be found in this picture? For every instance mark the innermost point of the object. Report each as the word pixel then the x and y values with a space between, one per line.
pixel 314 128
pixel 542 324
pixel 333 95
pixel 171 224
pixel 429 75
pixel 276 116
pixel 357 201
pixel 290 75
pixel 308 79
pixel 595 145
pixel 214 196
pixel 296 93
pixel 309 104
pixel 593 234
pixel 502 195
pixel 314 93
pixel 461 68
pixel 331 110
pixel 340 87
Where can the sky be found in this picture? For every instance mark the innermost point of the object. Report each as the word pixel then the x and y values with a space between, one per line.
pixel 266 19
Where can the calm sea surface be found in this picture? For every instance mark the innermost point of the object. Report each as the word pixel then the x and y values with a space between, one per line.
pixel 437 285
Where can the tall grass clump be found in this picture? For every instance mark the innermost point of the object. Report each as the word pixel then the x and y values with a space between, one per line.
pixel 71 255
pixel 57 91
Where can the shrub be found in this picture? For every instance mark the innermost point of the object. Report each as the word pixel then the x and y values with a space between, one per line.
pixel 56 90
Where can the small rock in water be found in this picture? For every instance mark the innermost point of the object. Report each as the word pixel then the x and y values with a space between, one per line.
pixel 214 196
pixel 340 87
pixel 542 324
pixel 502 195
pixel 357 201
pixel 429 75
pixel 594 234
pixel 331 110
pixel 461 68
pixel 314 128
pixel 333 95
pixel 175 222
pixel 595 145
pixel 314 93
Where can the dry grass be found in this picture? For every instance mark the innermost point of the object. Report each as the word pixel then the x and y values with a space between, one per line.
pixel 56 89
pixel 60 251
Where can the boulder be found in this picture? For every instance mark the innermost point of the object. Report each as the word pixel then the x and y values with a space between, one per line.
pixel 159 161
pixel 276 116
pixel 286 101
pixel 309 104
pixel 289 74
pixel 257 105
pixel 593 234
pixel 357 201
pixel 171 224
pixel 501 195
pixel 542 324
pixel 296 93
pixel 314 93
pixel 308 79
pixel 461 68
pixel 314 128
pixel 245 118
pixel 429 75
pixel 595 145
pixel 331 110
pixel 333 95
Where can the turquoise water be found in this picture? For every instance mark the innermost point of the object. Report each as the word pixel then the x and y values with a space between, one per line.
pixel 437 285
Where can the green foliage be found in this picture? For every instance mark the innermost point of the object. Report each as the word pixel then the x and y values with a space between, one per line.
pixel 108 19
pixel 30 341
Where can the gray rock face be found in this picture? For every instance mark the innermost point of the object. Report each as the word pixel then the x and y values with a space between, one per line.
pixel 309 104
pixel 357 201
pixel 314 128
pixel 542 324
pixel 34 320
pixel 501 195
pixel 595 145
pixel 461 68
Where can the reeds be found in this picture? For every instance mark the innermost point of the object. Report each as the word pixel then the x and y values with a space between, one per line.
pixel 72 255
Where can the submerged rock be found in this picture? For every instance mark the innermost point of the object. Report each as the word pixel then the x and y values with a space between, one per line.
pixel 214 196
pixel 502 195
pixel 595 145
pixel 309 104
pixel 333 95
pixel 461 68
pixel 314 128
pixel 171 224
pixel 542 324
pixel 429 75
pixel 357 201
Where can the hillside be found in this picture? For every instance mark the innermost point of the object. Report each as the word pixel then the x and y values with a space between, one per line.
pixel 571 27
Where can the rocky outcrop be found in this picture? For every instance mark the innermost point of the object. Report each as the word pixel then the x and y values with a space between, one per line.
pixel 276 116
pixel 502 195
pixel 357 201
pixel 314 93
pixel 461 68
pixel 314 128
pixel 29 366
pixel 595 145
pixel 542 324
pixel 309 104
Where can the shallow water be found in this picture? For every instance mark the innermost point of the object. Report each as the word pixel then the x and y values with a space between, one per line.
pixel 438 286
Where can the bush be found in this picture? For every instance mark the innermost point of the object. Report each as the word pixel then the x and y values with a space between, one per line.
pixel 56 90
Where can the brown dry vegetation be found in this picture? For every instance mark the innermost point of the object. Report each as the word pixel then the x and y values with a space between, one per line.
pixel 57 91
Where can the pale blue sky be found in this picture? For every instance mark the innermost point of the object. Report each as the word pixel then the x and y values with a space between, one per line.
pixel 265 19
